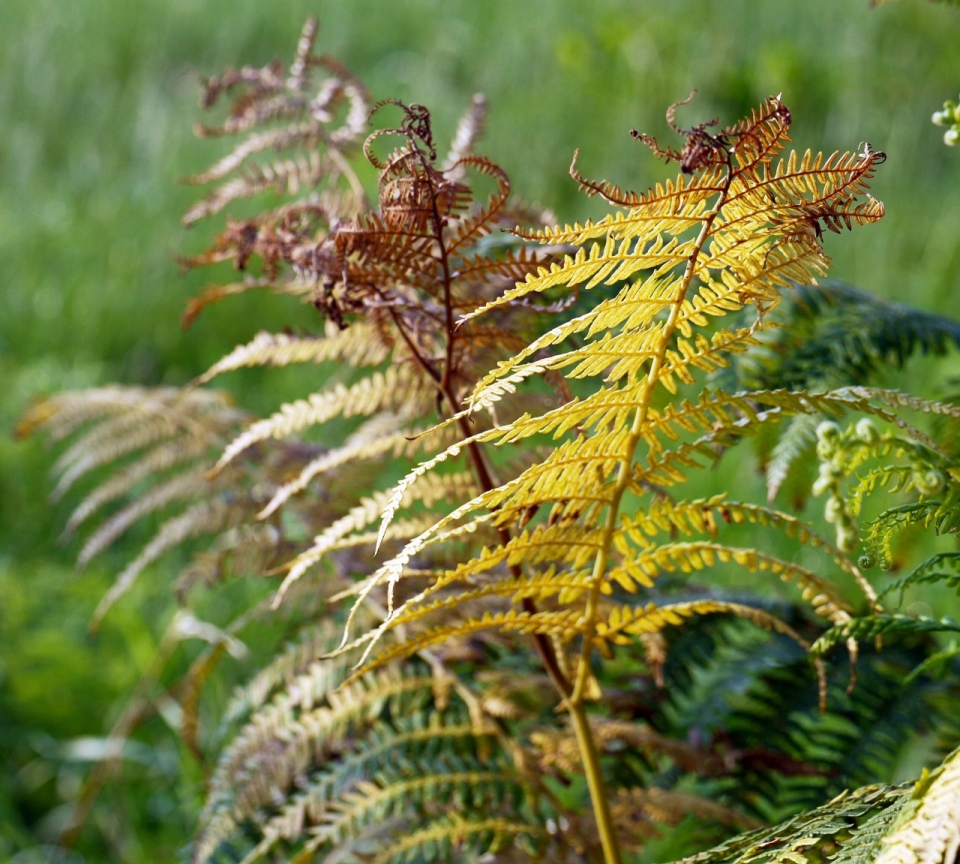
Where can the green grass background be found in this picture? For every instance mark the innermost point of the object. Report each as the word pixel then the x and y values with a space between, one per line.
pixel 96 103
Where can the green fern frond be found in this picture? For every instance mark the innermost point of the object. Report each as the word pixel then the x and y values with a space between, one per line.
pixel 871 626
pixel 931 571
pixel 798 437
pixel 833 335
pixel 398 742
pixel 281 742
pixel 437 841
pixel 800 840
pixel 297 659
pixel 945 515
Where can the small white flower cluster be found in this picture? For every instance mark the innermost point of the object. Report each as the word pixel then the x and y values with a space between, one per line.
pixel 949 116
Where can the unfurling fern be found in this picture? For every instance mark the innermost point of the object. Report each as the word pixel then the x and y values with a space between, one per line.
pixel 534 634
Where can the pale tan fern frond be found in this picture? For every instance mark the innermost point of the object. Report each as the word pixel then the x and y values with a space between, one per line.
pixel 374 439
pixel 205 517
pixel 284 177
pixel 398 389
pixel 184 486
pixel 429 491
pixel 62 414
pixel 356 345
pixel 163 457
pixel 469 131
pixel 928 831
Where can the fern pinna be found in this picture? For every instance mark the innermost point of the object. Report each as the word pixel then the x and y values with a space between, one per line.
pixel 551 376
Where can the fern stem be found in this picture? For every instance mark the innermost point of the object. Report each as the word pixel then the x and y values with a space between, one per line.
pixel 575 704
pixel 545 648
pixel 595 783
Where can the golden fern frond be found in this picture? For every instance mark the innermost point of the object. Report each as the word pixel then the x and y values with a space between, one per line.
pixel 355 346
pixel 570 586
pixel 738 233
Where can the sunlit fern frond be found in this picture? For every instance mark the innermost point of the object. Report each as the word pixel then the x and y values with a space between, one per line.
pixel 737 233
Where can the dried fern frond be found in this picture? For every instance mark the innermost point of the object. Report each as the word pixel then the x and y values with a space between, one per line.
pixel 284 113
pixel 356 346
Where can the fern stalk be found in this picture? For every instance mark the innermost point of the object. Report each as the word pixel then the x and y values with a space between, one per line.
pixel 578 714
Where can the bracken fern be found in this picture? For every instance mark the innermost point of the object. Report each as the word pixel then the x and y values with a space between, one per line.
pixel 533 634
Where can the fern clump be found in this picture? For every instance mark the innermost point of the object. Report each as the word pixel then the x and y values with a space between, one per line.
pixel 508 414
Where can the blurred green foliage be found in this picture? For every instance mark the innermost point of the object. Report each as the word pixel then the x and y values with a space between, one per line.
pixel 96 103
